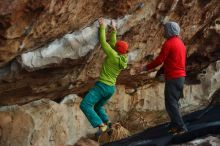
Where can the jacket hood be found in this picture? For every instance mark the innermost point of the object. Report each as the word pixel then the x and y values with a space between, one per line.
pixel 171 29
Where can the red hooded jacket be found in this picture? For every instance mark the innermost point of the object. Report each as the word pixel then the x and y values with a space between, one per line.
pixel 173 55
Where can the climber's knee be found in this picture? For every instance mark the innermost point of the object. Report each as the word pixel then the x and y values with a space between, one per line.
pixel 83 106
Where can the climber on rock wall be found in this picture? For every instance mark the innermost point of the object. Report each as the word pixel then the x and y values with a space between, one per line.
pixel 173 57
pixel 116 60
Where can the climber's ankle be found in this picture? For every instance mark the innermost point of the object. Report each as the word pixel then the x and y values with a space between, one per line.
pixel 103 127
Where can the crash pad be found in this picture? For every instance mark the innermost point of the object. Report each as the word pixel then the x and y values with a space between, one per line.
pixel 199 123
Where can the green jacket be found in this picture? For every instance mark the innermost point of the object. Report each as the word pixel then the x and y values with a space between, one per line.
pixel 113 63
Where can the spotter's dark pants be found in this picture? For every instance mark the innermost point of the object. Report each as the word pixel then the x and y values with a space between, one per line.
pixel 173 92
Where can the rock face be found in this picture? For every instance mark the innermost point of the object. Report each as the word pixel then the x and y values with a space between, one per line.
pixel 72 46
pixel 46 122
pixel 86 142
pixel 26 25
pixel 49 49
pixel 43 123
pixel 54 49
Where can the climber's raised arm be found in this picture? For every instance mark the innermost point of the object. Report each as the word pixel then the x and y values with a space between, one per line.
pixel 113 38
pixel 109 51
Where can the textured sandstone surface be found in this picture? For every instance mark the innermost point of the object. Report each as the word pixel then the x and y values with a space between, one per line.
pixel 43 123
pixel 49 50
pixel 54 50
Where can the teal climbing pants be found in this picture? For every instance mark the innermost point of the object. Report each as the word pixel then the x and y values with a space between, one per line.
pixel 92 104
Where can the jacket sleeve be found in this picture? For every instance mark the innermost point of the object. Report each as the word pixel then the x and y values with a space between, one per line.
pixel 160 58
pixel 113 38
pixel 109 51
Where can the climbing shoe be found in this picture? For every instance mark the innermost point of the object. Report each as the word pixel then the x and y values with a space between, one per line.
pixel 102 129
